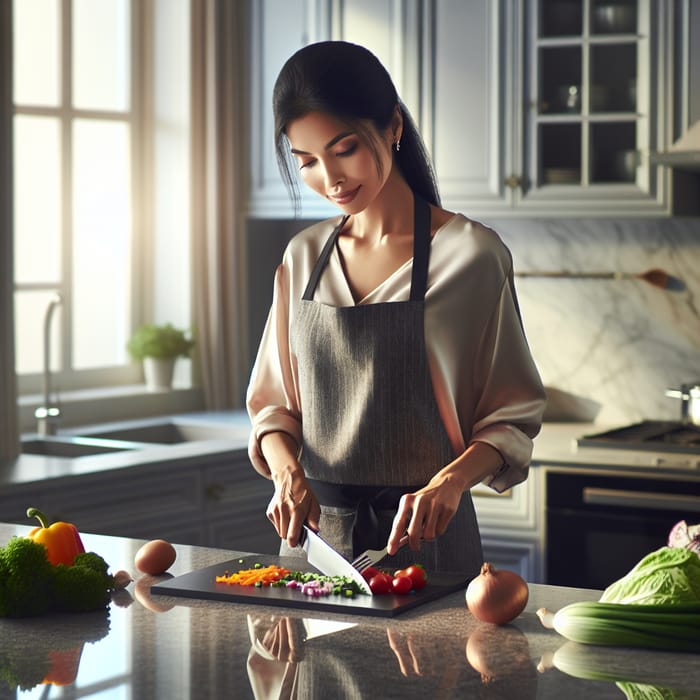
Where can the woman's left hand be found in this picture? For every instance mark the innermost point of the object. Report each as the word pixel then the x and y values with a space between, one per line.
pixel 426 513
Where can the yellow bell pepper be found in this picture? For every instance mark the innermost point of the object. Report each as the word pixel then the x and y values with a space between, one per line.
pixel 62 540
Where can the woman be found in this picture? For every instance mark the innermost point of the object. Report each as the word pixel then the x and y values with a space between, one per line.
pixel 393 373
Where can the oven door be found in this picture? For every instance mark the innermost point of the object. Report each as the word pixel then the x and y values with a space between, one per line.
pixel 599 526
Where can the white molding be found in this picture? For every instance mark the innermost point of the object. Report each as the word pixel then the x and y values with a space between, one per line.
pixel 523 558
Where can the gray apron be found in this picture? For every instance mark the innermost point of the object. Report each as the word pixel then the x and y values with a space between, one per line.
pixel 372 429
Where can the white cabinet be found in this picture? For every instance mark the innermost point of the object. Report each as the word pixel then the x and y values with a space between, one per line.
pixel 528 107
pixel 512 526
pixel 550 107
pixel 279 28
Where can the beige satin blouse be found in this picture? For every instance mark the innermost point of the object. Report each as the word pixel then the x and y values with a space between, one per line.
pixel 486 384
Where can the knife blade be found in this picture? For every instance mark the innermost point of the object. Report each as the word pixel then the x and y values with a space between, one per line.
pixel 321 555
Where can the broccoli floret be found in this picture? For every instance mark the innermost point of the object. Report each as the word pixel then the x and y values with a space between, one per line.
pixel 25 578
pixel 91 560
pixel 80 588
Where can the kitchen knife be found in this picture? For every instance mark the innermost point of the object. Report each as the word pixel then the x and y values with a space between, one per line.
pixel 321 555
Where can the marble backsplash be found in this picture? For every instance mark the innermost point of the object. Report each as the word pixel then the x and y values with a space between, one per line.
pixel 608 349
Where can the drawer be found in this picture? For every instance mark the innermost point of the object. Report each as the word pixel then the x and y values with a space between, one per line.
pixel 124 497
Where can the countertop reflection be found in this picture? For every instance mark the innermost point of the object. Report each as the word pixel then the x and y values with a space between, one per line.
pixel 162 647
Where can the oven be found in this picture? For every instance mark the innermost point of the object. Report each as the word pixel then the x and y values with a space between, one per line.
pixel 600 523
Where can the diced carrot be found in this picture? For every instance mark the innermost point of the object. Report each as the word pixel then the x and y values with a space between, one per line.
pixel 264 575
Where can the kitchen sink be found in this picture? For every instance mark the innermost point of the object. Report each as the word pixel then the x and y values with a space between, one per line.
pixel 169 432
pixel 70 447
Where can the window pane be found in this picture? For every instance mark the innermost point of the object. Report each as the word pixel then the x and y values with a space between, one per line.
pixel 36 32
pixel 101 41
pixel 101 243
pixel 37 199
pixel 30 310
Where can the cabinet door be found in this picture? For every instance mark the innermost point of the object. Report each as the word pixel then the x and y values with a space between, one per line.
pixel 467 126
pixel 142 502
pixel 548 107
pixel 591 110
pixel 512 526
pixel 281 27
pixel 236 498
pixel 521 557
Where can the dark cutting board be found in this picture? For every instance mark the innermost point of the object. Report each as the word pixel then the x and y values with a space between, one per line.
pixel 202 584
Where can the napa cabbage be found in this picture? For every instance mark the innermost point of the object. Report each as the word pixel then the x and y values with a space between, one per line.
pixel 666 576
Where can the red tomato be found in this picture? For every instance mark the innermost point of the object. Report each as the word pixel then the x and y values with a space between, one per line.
pixel 380 583
pixel 402 585
pixel 417 575
pixel 370 572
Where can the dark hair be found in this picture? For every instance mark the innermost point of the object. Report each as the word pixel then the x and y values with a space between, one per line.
pixel 349 83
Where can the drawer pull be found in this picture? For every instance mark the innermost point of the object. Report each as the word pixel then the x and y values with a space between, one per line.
pixel 640 499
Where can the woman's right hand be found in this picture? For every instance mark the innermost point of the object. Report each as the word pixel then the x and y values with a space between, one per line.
pixel 293 503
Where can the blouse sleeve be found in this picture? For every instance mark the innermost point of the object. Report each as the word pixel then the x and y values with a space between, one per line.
pixel 508 413
pixel 272 398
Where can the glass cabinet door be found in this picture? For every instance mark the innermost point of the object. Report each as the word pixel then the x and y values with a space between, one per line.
pixel 588 65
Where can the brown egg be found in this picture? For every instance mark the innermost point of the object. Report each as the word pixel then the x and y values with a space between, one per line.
pixel 155 557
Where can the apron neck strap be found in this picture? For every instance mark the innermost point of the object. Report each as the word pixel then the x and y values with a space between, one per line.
pixel 421 248
pixel 421 252
pixel 320 265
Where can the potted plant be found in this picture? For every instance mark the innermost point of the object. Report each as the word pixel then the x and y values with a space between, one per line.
pixel 158 347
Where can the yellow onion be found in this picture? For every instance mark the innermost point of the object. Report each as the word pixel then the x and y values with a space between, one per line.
pixel 497 596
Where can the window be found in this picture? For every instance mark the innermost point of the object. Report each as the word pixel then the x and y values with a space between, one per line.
pixel 100 182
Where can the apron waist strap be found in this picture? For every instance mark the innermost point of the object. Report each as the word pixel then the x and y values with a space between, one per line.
pixel 366 501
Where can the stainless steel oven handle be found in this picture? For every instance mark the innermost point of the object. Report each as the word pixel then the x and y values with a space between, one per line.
pixel 640 499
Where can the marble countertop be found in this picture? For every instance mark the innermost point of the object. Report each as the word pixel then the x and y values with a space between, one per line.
pixel 28 468
pixel 555 446
pixel 163 647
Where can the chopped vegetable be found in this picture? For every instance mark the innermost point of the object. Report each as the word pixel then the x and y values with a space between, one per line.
pixel 666 576
pixel 672 627
pixel 265 575
pixel 62 540
pixel 310 584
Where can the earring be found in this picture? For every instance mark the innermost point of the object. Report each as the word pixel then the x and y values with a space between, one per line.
pixel 397 145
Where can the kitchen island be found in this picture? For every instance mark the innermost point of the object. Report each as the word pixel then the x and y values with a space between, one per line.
pixel 152 646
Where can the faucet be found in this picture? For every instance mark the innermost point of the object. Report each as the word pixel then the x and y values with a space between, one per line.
pixel 48 415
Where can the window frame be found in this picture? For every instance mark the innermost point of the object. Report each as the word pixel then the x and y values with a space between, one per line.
pixel 138 118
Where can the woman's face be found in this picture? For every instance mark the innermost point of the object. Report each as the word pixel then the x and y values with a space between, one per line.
pixel 336 162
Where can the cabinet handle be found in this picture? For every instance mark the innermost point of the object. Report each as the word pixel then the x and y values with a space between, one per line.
pixel 215 491
pixel 640 499
pixel 513 181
